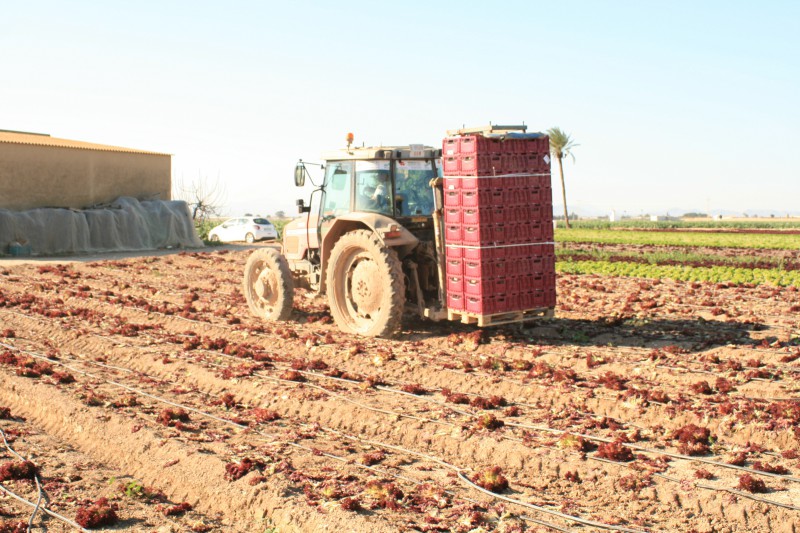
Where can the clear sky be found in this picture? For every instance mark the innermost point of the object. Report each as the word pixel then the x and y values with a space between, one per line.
pixel 680 104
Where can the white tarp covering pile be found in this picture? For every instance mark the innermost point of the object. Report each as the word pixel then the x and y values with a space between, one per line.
pixel 125 225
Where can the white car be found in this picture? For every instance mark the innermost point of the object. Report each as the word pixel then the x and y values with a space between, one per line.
pixel 248 229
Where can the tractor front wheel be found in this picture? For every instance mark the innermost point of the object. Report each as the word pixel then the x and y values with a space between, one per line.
pixel 267 285
pixel 365 285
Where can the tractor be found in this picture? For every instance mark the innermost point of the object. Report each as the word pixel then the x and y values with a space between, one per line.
pixel 371 240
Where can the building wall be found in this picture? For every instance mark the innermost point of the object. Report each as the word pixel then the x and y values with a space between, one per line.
pixel 34 176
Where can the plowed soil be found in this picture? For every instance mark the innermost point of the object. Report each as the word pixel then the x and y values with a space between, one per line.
pixel 643 406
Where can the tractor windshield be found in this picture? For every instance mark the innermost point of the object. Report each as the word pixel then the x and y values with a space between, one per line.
pixel 374 187
pixel 409 194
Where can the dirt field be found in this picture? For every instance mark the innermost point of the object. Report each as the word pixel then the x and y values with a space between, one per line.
pixel 644 406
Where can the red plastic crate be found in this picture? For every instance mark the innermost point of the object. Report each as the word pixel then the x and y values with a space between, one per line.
pixel 455 301
pixel 451 165
pixel 486 286
pixel 477 234
pixel 491 268
pixel 454 267
pixel 455 284
pixel 535 163
pixel 489 164
pixel 470 198
pixel 451 146
pixel 539 298
pixel 515 196
pixel 453 234
pixel 499 214
pixel 550 297
pixel 477 269
pixel 452 183
pixel 547 250
pixel 536 232
pixel 481 305
pixel 534 265
pixel 452 198
pixel 453 252
pixel 478 144
pixel 482 253
pixel 482 197
pixel 478 305
pixel 452 215
pixel 506 303
pixel 548 232
pixel 477 215
pixel 516 146
pixel 547 196
pixel 548 264
pixel 531 282
pixel 469 181
pixel 525 300
pixel 483 234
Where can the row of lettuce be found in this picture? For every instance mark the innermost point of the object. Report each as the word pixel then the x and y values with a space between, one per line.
pixel 751 259
pixel 715 274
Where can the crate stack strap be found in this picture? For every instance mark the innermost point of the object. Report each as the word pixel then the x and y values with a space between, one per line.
pixel 498 220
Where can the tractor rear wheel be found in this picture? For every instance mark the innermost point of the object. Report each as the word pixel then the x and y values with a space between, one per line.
pixel 268 286
pixel 365 285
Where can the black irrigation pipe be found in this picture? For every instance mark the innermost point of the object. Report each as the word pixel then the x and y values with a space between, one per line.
pixel 38 505
pixel 36 479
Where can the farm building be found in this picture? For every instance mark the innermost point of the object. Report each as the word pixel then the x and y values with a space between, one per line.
pixel 59 196
pixel 37 170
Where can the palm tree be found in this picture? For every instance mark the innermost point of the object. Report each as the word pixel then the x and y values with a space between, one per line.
pixel 561 145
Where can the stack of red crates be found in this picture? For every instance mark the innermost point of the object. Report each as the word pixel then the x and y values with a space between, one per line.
pixel 498 224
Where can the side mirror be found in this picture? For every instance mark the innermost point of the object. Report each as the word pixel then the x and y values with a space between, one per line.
pixel 301 206
pixel 300 174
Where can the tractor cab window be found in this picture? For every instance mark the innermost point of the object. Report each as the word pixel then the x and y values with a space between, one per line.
pixel 336 201
pixel 413 193
pixel 374 187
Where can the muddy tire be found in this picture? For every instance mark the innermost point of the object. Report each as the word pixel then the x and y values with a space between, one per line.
pixel 268 286
pixel 365 285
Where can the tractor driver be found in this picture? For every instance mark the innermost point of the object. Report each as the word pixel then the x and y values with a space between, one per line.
pixel 378 198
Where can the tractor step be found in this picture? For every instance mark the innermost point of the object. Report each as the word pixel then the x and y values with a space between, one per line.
pixel 499 319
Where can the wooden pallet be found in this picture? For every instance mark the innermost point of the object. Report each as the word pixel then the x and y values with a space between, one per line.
pixel 498 319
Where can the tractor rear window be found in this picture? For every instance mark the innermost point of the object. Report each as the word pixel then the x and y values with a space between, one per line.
pixel 413 193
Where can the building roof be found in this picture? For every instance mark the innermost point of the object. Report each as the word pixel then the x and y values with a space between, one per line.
pixel 41 139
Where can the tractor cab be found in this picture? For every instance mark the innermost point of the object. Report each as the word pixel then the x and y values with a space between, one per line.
pixel 390 181
pixel 384 189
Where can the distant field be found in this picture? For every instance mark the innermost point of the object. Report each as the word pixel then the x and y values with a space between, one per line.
pixel 671 250
pixel 680 238
pixel 760 223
